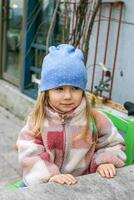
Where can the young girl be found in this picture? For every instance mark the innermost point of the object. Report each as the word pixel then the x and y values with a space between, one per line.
pixel 59 141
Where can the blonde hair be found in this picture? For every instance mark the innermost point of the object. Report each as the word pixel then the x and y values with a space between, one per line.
pixel 38 115
pixel 89 113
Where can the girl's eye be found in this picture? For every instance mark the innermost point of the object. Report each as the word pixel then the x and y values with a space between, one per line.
pixel 75 88
pixel 59 89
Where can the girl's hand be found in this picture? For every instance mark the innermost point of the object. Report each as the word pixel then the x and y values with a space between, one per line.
pixel 63 179
pixel 106 170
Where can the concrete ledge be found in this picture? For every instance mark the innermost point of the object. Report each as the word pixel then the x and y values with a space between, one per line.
pixel 13 100
pixel 89 187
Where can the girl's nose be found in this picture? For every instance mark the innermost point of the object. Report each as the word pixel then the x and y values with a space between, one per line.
pixel 67 94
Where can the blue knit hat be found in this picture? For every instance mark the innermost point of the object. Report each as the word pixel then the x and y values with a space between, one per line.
pixel 63 66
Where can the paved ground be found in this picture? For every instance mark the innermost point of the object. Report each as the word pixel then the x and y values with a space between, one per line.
pixel 9 129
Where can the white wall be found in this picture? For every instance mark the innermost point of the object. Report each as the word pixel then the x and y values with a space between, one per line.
pixel 123 87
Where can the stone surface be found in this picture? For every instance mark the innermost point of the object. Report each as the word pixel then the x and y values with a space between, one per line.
pixel 9 167
pixel 13 100
pixel 92 187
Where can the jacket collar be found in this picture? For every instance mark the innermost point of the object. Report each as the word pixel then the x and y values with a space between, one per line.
pixel 52 112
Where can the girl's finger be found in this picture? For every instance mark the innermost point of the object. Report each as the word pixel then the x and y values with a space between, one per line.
pixel 101 171
pixel 109 170
pixel 71 178
pixel 106 172
pixel 56 180
pixel 59 181
pixel 112 170
pixel 68 180
pixel 63 178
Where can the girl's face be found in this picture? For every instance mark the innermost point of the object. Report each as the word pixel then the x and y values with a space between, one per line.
pixel 65 98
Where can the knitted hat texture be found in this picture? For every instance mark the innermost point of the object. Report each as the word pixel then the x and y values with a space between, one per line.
pixel 63 66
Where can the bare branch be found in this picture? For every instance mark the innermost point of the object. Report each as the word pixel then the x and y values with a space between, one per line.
pixel 52 25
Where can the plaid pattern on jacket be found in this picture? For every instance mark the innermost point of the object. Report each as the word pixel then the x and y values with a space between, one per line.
pixel 56 150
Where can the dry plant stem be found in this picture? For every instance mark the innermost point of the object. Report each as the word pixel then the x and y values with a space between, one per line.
pixel 52 25
pixel 90 29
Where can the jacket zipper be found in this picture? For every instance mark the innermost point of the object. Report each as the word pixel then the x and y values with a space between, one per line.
pixel 64 139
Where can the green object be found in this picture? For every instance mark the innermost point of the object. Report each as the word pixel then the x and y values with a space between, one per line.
pixel 92 123
pixel 14 186
pixel 127 128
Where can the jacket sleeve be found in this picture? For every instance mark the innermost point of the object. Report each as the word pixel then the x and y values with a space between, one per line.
pixel 110 145
pixel 37 167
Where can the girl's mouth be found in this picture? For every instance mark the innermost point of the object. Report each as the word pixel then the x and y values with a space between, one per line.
pixel 67 104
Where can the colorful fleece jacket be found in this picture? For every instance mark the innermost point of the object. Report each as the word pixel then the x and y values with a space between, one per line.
pixel 57 151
